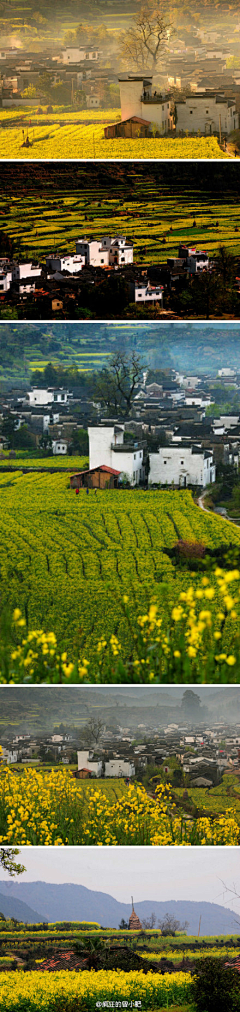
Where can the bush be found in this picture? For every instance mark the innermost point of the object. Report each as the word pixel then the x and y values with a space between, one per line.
pixel 215 987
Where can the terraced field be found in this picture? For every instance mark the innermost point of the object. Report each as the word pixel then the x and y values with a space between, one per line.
pixel 69 562
pixel 155 221
pixel 158 991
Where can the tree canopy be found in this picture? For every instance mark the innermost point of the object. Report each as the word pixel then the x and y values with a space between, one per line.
pixel 7 861
pixel 143 44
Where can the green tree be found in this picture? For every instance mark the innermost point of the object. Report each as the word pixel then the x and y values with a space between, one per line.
pixel 29 92
pixel 7 861
pixel 45 81
pixel 190 704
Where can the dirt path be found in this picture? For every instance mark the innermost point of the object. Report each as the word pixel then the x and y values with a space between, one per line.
pixel 226 519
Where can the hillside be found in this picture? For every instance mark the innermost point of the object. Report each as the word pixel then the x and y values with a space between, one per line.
pixel 155 203
pixel 74 705
pixel 12 906
pixel 26 346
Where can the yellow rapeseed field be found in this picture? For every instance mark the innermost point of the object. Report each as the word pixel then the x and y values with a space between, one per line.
pixel 57 140
pixel 40 807
pixel 87 990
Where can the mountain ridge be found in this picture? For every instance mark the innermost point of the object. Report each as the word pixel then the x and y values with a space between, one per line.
pixel 70 901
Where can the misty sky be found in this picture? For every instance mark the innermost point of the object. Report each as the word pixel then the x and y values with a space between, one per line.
pixel 165 873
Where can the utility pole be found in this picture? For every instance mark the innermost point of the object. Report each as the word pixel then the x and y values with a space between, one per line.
pixel 220 129
pixel 200 918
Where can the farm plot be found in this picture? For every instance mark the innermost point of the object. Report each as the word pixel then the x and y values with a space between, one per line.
pixel 34 991
pixel 56 139
pixel 48 463
pixel 70 564
pixel 67 561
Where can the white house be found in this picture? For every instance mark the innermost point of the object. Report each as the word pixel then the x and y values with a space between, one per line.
pixel 25 270
pixel 59 446
pixel 5 280
pixel 190 382
pixel 39 396
pixel 72 264
pixel 93 252
pixel 194 260
pixel 138 99
pixel 182 466
pixel 10 756
pixel 227 421
pixel 85 762
pixel 143 291
pixel 108 250
pixel 226 372
pixel 197 262
pixel 119 768
pixel 106 446
pixel 198 401
pixel 26 286
pixel 120 249
pixel 75 54
pixel 93 101
pixel 208 112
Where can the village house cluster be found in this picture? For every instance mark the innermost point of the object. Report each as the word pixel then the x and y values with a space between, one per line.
pixel 67 281
pixel 201 753
pixel 195 88
pixel 76 68
pixel 146 112
pixel 171 437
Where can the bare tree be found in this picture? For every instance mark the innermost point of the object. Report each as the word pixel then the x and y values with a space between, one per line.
pixel 169 925
pixel 115 385
pixel 232 892
pixel 92 731
pixel 144 42
pixel 149 922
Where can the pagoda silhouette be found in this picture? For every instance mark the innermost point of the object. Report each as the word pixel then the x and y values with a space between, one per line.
pixel 134 922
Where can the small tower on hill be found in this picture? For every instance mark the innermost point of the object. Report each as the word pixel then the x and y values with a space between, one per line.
pixel 134 922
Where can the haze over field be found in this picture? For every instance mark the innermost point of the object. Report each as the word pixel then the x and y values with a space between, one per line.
pixel 202 346
pixel 37 709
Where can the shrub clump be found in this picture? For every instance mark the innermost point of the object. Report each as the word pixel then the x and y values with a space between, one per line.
pixel 215 986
